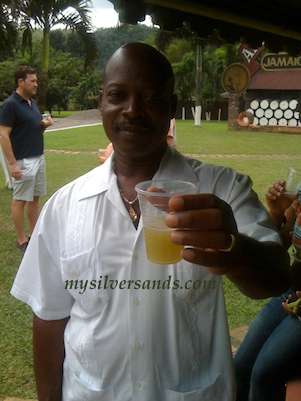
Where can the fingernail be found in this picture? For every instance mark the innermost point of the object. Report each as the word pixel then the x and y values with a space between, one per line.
pixel 176 237
pixel 189 254
pixel 171 220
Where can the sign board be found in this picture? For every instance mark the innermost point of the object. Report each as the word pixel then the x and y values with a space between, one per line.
pixel 236 78
pixel 278 62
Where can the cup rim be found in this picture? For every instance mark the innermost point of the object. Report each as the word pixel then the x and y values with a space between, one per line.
pixel 164 194
pixel 294 170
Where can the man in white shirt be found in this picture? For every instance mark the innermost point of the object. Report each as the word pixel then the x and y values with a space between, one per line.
pixel 109 324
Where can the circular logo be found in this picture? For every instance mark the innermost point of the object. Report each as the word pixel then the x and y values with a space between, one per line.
pixel 236 78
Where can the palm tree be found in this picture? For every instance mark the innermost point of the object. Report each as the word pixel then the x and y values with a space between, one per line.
pixel 46 14
pixel 8 27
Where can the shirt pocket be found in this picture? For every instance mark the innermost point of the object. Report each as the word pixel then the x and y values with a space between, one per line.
pixel 213 392
pixel 79 391
pixel 81 274
pixel 194 282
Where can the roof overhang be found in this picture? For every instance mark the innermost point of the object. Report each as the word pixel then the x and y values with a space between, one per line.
pixel 276 23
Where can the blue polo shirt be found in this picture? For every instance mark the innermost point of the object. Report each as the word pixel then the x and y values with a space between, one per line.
pixel 27 132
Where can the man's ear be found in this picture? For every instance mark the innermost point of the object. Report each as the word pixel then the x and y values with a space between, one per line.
pixel 174 102
pixel 99 100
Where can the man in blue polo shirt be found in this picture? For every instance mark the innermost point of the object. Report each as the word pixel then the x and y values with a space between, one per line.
pixel 21 138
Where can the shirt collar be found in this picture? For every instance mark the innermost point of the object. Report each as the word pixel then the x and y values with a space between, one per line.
pixel 19 98
pixel 97 180
pixel 174 166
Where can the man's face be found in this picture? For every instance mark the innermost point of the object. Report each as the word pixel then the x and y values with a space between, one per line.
pixel 136 106
pixel 29 85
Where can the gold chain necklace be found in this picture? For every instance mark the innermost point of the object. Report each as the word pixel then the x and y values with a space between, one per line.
pixel 133 214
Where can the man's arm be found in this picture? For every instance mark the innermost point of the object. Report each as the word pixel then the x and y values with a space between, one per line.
pixel 258 269
pixel 49 354
pixel 8 151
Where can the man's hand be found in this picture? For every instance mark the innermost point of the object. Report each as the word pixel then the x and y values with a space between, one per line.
pixel 47 122
pixel 15 171
pixel 206 223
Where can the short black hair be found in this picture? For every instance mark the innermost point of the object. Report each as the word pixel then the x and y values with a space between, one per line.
pixel 148 54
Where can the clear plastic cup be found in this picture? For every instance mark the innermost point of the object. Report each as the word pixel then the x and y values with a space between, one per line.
pixel 153 200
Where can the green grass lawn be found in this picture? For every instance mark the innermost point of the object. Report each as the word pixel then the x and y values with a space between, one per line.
pixel 211 138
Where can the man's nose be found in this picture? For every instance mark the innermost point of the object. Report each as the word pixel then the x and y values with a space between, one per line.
pixel 133 107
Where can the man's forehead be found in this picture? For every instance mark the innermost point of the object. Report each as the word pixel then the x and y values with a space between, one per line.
pixel 31 77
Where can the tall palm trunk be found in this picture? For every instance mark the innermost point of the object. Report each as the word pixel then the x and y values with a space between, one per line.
pixel 43 76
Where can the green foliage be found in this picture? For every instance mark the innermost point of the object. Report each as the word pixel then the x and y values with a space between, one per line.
pixel 69 85
pixel 181 55
pixel 8 28
pixel 177 49
pixel 110 39
pixel 65 73
pixel 185 71
pixel 215 61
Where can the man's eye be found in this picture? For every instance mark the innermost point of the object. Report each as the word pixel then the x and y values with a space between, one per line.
pixel 153 97
pixel 115 96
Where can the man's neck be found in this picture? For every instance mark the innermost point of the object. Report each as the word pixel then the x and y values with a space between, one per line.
pixel 131 172
pixel 22 94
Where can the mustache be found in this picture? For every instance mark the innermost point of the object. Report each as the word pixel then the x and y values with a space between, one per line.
pixel 135 122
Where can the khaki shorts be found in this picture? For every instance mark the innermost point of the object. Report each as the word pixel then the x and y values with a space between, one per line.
pixel 33 181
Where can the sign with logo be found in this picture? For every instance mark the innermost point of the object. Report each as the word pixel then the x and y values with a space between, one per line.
pixel 236 78
pixel 277 62
pixel 249 57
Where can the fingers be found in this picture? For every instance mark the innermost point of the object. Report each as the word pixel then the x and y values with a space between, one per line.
pixel 160 202
pixel 197 202
pixel 214 239
pixel 276 190
pixel 217 262
pixel 207 226
pixel 16 172
pixel 200 212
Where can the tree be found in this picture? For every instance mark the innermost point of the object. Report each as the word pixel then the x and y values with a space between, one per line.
pixel 74 14
pixel 185 76
pixel 215 60
pixel 182 56
pixel 8 27
pixel 64 74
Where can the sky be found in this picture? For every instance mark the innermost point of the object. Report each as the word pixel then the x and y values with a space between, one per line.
pixel 104 16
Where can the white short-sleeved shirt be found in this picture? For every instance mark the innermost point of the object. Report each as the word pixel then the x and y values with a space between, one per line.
pixel 128 338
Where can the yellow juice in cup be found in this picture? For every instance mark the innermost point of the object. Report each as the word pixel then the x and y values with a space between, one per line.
pixel 159 247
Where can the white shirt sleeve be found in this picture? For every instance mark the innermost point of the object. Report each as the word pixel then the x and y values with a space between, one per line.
pixel 39 282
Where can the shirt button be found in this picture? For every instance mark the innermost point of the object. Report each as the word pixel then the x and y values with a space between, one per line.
pixel 135 256
pixel 74 273
pixel 138 345
pixel 136 301
pixel 138 385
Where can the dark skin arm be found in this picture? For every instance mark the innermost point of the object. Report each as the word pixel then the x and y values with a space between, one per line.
pixel 259 270
pixel 49 354
pixel 280 206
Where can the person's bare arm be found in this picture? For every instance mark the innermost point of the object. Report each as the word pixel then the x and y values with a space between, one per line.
pixel 281 211
pixel 49 354
pixel 8 151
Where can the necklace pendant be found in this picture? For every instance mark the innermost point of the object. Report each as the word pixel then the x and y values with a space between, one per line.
pixel 133 214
